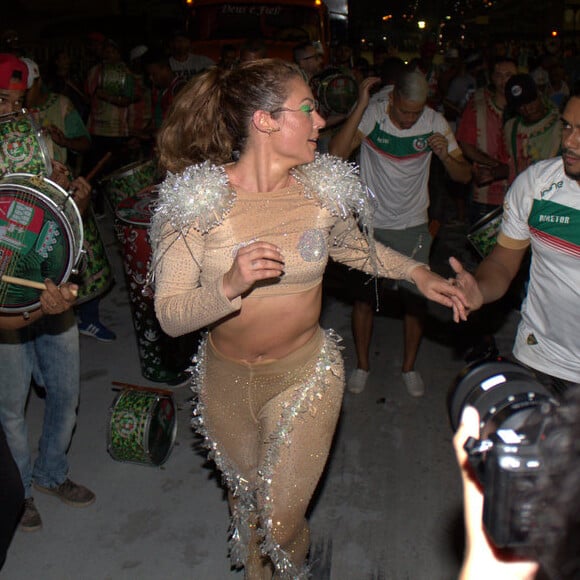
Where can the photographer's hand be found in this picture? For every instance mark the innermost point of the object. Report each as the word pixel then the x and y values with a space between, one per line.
pixel 482 560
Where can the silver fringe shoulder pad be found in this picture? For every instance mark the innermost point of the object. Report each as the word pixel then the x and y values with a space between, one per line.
pixel 337 186
pixel 199 197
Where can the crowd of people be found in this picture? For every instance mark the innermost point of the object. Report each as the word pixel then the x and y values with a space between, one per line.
pixel 245 137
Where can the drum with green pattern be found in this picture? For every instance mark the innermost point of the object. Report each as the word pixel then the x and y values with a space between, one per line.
pixel 483 234
pixel 117 80
pixel 142 426
pixel 23 148
pixel 41 236
pixel 95 275
pixel 128 180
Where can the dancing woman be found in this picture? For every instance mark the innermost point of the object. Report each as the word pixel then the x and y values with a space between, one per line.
pixel 247 219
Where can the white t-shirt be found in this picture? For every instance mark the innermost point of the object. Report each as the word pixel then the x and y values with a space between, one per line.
pixel 543 206
pixel 194 64
pixel 395 162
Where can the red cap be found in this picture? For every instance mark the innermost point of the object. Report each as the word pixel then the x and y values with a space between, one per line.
pixel 13 73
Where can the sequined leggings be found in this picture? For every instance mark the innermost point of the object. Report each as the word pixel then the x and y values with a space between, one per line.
pixel 269 427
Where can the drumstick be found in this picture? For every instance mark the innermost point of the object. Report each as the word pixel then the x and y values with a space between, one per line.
pixel 29 283
pixel 24 282
pixel 141 388
pixel 98 166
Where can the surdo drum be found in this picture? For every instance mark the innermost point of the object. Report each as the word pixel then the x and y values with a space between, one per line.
pixel 163 358
pixel 128 180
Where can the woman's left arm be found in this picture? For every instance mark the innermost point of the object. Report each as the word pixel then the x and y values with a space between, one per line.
pixel 351 248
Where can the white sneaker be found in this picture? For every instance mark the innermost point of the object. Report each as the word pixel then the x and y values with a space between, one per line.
pixel 414 383
pixel 357 381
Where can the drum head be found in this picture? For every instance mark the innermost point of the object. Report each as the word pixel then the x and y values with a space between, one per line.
pixel 336 91
pixel 40 237
pixel 138 209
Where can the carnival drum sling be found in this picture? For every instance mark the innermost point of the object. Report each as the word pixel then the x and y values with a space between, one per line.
pixel 41 236
pixel 142 426
pixel 23 147
pixel 163 358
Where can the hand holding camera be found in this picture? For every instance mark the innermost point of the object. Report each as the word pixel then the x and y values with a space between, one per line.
pixel 501 415
pixel 482 559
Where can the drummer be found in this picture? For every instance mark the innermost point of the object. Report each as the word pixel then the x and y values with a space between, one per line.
pixel 108 121
pixel 66 132
pixel 47 350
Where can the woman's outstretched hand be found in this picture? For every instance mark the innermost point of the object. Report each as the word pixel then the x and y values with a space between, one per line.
pixel 254 262
pixel 442 291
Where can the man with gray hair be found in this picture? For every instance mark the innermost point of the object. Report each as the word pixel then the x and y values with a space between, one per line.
pixel 397 134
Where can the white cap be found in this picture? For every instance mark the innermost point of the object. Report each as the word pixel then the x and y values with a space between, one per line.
pixel 33 70
pixel 137 52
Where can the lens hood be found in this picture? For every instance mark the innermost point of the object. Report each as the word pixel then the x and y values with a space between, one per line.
pixel 503 392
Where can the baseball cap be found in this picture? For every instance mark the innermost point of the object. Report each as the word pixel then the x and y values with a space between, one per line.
pixel 33 71
pixel 520 90
pixel 13 73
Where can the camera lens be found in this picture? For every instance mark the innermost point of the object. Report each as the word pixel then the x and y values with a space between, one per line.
pixel 504 393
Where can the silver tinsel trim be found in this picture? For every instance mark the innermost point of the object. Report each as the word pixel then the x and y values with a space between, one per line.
pixel 239 530
pixel 305 401
pixel 337 186
pixel 199 197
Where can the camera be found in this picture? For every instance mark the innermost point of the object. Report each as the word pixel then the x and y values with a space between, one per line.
pixel 507 458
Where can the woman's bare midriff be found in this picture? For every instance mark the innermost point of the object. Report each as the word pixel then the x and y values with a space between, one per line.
pixel 269 327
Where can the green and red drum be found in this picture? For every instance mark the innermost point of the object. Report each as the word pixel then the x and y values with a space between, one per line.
pixel 23 147
pixel 128 180
pixel 142 426
pixel 163 358
pixel 41 236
